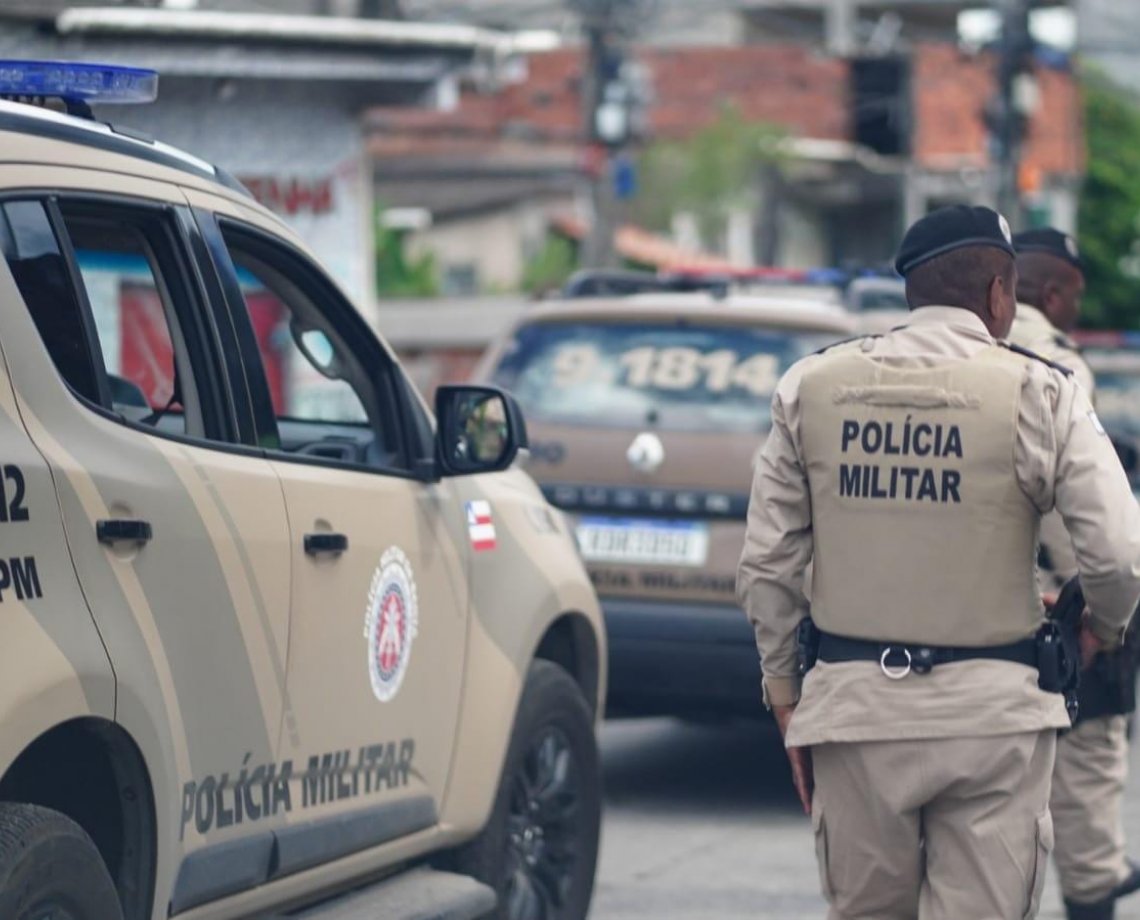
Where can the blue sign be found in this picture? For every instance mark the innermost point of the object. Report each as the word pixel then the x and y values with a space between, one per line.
pixel 624 177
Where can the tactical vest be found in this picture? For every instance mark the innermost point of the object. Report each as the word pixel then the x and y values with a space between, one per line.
pixel 921 531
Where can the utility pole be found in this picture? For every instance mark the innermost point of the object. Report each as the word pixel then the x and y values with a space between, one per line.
pixel 1009 116
pixel 610 104
pixel 841 19
pixel 598 247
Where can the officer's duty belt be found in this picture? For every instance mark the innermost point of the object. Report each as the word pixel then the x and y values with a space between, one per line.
pixel 898 659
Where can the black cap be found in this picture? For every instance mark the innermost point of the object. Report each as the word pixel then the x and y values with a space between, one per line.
pixel 1051 242
pixel 947 229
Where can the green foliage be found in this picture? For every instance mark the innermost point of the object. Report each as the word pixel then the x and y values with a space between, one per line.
pixel 551 266
pixel 1109 217
pixel 397 275
pixel 707 174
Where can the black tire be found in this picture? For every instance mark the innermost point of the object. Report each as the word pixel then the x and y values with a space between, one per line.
pixel 50 869
pixel 548 875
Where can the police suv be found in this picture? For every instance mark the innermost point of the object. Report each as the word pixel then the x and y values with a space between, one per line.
pixel 648 398
pixel 268 630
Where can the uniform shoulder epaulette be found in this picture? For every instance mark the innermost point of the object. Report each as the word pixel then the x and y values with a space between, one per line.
pixel 850 341
pixel 1025 352
pixel 1063 341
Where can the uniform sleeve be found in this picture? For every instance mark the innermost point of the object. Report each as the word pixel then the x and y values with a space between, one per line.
pixel 1082 373
pixel 777 550
pixel 1084 376
pixel 1062 564
pixel 1094 498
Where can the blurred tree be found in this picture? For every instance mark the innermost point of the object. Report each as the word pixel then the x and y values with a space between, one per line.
pixel 708 174
pixel 397 275
pixel 1109 216
pixel 551 266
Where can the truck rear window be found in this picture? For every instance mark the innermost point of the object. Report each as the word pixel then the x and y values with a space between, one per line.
pixel 676 376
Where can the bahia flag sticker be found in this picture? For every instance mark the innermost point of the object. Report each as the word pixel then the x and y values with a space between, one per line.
pixel 480 525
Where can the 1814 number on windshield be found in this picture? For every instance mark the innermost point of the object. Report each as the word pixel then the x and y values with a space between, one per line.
pixel 688 368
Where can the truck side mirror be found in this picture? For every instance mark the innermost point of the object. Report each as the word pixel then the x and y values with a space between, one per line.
pixel 480 430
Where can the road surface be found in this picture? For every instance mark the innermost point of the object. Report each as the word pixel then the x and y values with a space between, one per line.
pixel 701 824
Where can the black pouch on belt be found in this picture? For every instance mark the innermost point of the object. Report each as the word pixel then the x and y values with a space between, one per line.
pixel 1108 687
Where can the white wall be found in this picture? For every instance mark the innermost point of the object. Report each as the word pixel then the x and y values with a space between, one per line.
pixel 498 243
pixel 803 240
pixel 284 132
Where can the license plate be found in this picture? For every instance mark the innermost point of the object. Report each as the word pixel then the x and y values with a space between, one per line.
pixel 643 542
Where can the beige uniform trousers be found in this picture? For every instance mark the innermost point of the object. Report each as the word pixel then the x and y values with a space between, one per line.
pixel 939 829
pixel 1088 790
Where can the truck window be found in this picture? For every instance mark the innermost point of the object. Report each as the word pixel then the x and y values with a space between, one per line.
pixel 331 389
pixel 37 263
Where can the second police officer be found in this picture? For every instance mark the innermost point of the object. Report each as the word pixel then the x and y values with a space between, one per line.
pixel 911 470
pixel 1092 759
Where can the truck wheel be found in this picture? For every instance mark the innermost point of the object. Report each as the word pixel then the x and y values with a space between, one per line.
pixel 540 846
pixel 50 869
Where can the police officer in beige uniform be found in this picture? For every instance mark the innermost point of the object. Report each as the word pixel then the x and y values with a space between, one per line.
pixel 1050 284
pixel 912 470
pixel 1092 759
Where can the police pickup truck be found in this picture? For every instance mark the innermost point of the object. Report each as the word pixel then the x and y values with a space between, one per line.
pixel 268 630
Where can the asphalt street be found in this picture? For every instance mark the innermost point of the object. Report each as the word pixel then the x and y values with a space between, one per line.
pixel 701 824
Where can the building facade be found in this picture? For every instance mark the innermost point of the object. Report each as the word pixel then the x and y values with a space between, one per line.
pixel 275 101
pixel 870 144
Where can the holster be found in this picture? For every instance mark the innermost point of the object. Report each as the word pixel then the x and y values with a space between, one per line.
pixel 1059 647
pixel 807 644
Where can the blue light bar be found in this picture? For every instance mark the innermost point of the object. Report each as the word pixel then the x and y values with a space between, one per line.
pixel 841 277
pixel 76 82
pixel 836 276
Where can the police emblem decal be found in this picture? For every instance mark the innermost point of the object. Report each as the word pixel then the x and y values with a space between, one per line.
pixel 1003 225
pixel 391 622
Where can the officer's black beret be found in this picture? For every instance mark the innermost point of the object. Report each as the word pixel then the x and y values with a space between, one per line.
pixel 947 229
pixel 1050 241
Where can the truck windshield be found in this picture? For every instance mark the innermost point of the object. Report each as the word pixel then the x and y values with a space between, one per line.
pixel 677 376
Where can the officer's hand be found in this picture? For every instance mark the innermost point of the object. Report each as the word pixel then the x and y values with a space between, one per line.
pixel 1091 644
pixel 798 757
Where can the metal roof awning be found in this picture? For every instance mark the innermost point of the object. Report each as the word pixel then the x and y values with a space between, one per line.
pixel 834 173
pixel 375 56
pixel 204 59
pixel 278 29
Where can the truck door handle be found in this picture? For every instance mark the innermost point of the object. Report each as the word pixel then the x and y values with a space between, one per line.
pixel 123 530
pixel 318 543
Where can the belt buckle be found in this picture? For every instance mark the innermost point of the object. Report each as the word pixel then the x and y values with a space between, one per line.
pixel 895 673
